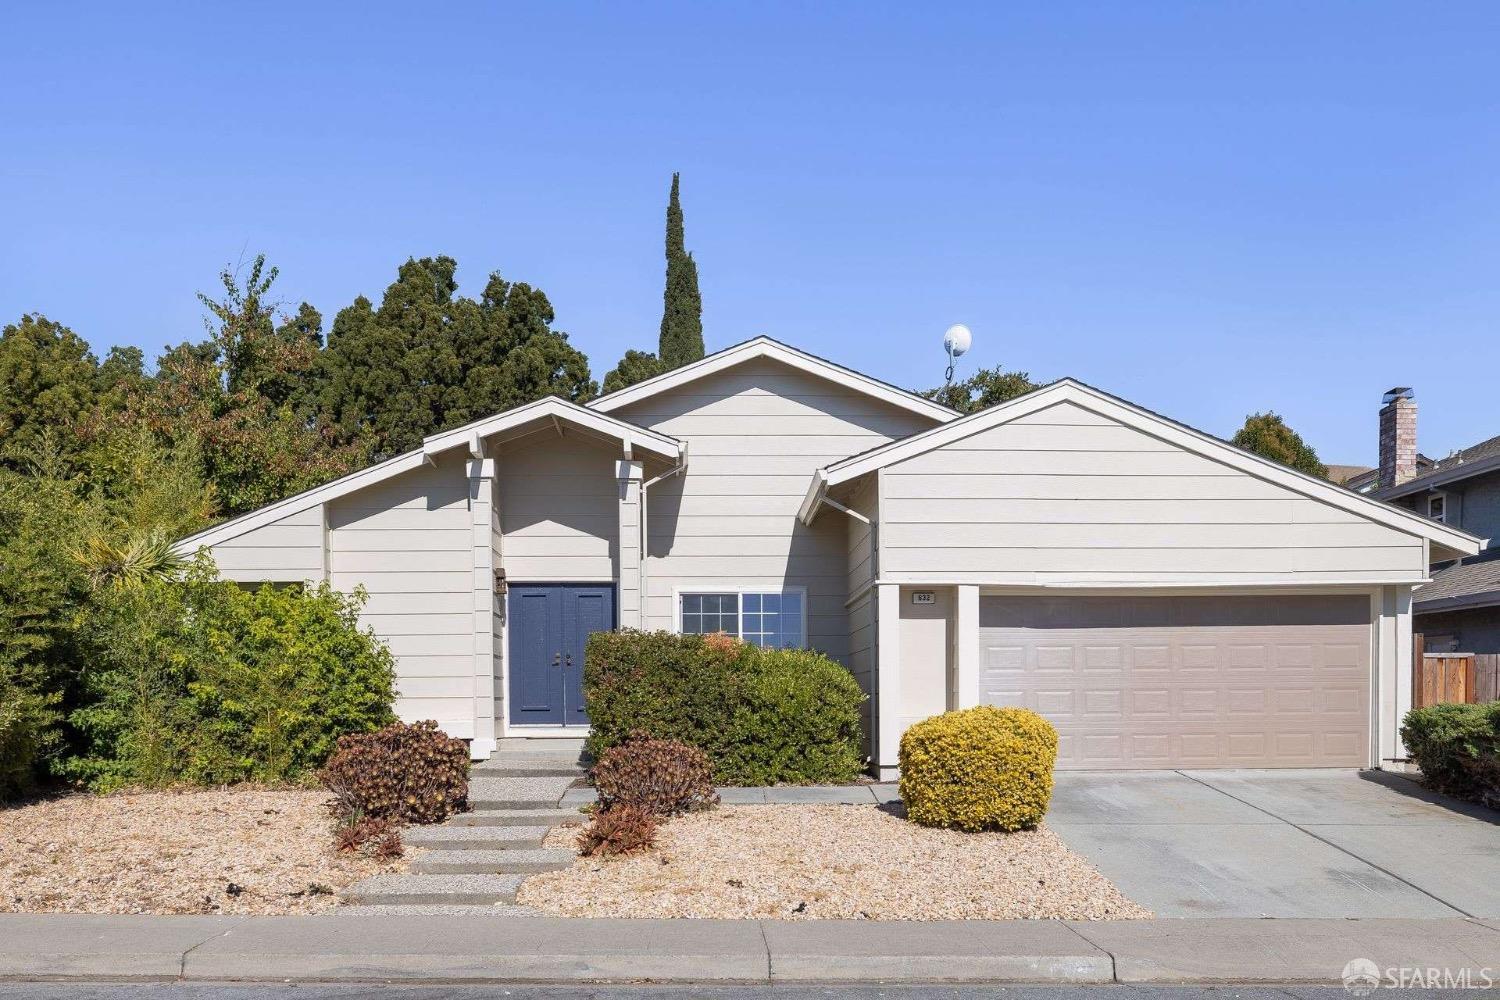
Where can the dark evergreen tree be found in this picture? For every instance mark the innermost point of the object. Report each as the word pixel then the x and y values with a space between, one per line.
pixel 682 312
pixel 1268 436
pixel 635 366
pixel 427 360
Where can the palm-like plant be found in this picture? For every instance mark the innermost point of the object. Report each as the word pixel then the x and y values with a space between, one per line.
pixel 141 557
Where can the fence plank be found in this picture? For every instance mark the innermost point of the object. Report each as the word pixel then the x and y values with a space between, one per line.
pixel 1487 676
pixel 1418 668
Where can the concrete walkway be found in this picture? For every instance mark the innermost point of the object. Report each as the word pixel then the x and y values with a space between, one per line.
pixel 475 862
pixel 460 949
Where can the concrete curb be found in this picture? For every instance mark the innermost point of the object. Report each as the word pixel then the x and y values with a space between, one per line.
pixel 443 947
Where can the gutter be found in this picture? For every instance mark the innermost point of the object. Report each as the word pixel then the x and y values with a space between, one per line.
pixel 645 534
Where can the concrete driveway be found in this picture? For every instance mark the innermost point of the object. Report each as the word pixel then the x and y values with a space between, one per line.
pixel 1286 843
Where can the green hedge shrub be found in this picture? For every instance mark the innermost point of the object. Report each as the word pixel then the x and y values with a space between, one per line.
pixel 982 768
pixel 201 681
pixel 1457 747
pixel 763 716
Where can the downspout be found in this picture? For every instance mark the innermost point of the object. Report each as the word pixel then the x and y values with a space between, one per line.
pixel 645 540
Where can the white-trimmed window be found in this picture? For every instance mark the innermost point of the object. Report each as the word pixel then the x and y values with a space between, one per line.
pixel 1437 507
pixel 776 619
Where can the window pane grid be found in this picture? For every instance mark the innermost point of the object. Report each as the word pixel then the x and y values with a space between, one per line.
pixel 770 619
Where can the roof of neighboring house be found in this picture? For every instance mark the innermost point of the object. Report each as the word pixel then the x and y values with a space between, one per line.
pixel 1471 461
pixel 1475 583
pixel 768 347
pixel 1341 474
pixel 1362 481
pixel 1128 413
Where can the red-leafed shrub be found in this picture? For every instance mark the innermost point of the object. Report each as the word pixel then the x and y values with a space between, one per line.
pixel 407 773
pixel 663 777
pixel 620 829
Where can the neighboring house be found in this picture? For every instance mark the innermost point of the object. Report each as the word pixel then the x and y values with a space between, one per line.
pixel 1167 599
pixel 1460 608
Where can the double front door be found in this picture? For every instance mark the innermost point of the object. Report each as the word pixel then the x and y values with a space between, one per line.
pixel 549 624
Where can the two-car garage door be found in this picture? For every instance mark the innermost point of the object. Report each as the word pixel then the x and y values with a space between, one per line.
pixel 1149 682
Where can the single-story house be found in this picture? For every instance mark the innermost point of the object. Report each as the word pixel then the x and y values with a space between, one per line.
pixel 1166 599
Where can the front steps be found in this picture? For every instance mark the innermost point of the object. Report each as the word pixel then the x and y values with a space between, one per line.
pixel 477 860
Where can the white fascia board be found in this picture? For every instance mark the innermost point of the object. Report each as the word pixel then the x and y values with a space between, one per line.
pixel 765 347
pixel 639 437
pixel 470 436
pixel 1069 390
pixel 272 513
pixel 813 501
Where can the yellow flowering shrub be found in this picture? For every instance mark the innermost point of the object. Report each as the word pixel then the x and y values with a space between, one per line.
pixel 982 768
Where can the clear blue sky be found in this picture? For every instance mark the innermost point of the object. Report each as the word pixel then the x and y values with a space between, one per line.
pixel 1207 208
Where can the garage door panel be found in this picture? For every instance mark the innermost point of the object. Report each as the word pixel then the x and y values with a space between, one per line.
pixel 1186 682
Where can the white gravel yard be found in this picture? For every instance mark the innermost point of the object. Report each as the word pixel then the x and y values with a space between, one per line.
pixel 235 850
pixel 830 862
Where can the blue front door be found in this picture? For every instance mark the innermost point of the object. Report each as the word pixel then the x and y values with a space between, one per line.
pixel 549 624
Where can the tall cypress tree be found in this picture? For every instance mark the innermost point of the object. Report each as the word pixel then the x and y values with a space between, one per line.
pixel 682 312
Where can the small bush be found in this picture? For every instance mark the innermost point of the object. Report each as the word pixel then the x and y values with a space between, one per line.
pixel 620 829
pixel 981 768
pixel 663 777
pixel 1457 747
pixel 406 773
pixel 763 716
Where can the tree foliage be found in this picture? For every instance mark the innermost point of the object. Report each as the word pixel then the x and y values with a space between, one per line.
pixel 681 340
pixel 428 359
pixel 1268 436
pixel 980 391
pixel 635 366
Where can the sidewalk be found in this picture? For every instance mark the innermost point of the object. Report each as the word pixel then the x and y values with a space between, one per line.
pixel 500 949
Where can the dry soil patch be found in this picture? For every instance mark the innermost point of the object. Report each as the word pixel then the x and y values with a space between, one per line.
pixel 176 852
pixel 830 862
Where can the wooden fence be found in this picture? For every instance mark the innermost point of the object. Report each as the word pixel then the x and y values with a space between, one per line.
pixel 1447 677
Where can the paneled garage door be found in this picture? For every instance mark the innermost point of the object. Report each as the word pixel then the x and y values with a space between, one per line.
pixel 1144 682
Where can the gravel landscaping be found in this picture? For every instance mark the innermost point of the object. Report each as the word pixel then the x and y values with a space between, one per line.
pixel 830 862
pixel 239 850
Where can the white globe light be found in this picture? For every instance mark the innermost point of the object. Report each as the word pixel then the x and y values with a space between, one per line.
pixel 957 339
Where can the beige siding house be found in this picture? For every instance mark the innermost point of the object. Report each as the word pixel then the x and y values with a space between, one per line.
pixel 1166 599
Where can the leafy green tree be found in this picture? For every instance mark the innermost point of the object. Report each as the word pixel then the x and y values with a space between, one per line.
pixel 1268 436
pixel 635 366
pixel 981 390
pixel 427 360
pixel 231 399
pixel 682 312
pixel 50 379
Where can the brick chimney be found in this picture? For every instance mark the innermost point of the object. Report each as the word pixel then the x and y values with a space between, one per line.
pixel 1398 437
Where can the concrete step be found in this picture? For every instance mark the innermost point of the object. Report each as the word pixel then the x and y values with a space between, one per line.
pixel 478 838
pixel 436 910
pixel 527 769
pixel 516 817
pixel 480 862
pixel 445 890
pixel 517 793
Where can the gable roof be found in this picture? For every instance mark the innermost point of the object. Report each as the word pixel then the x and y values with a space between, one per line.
pixel 1131 415
pixel 1471 461
pixel 766 347
pixel 469 435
